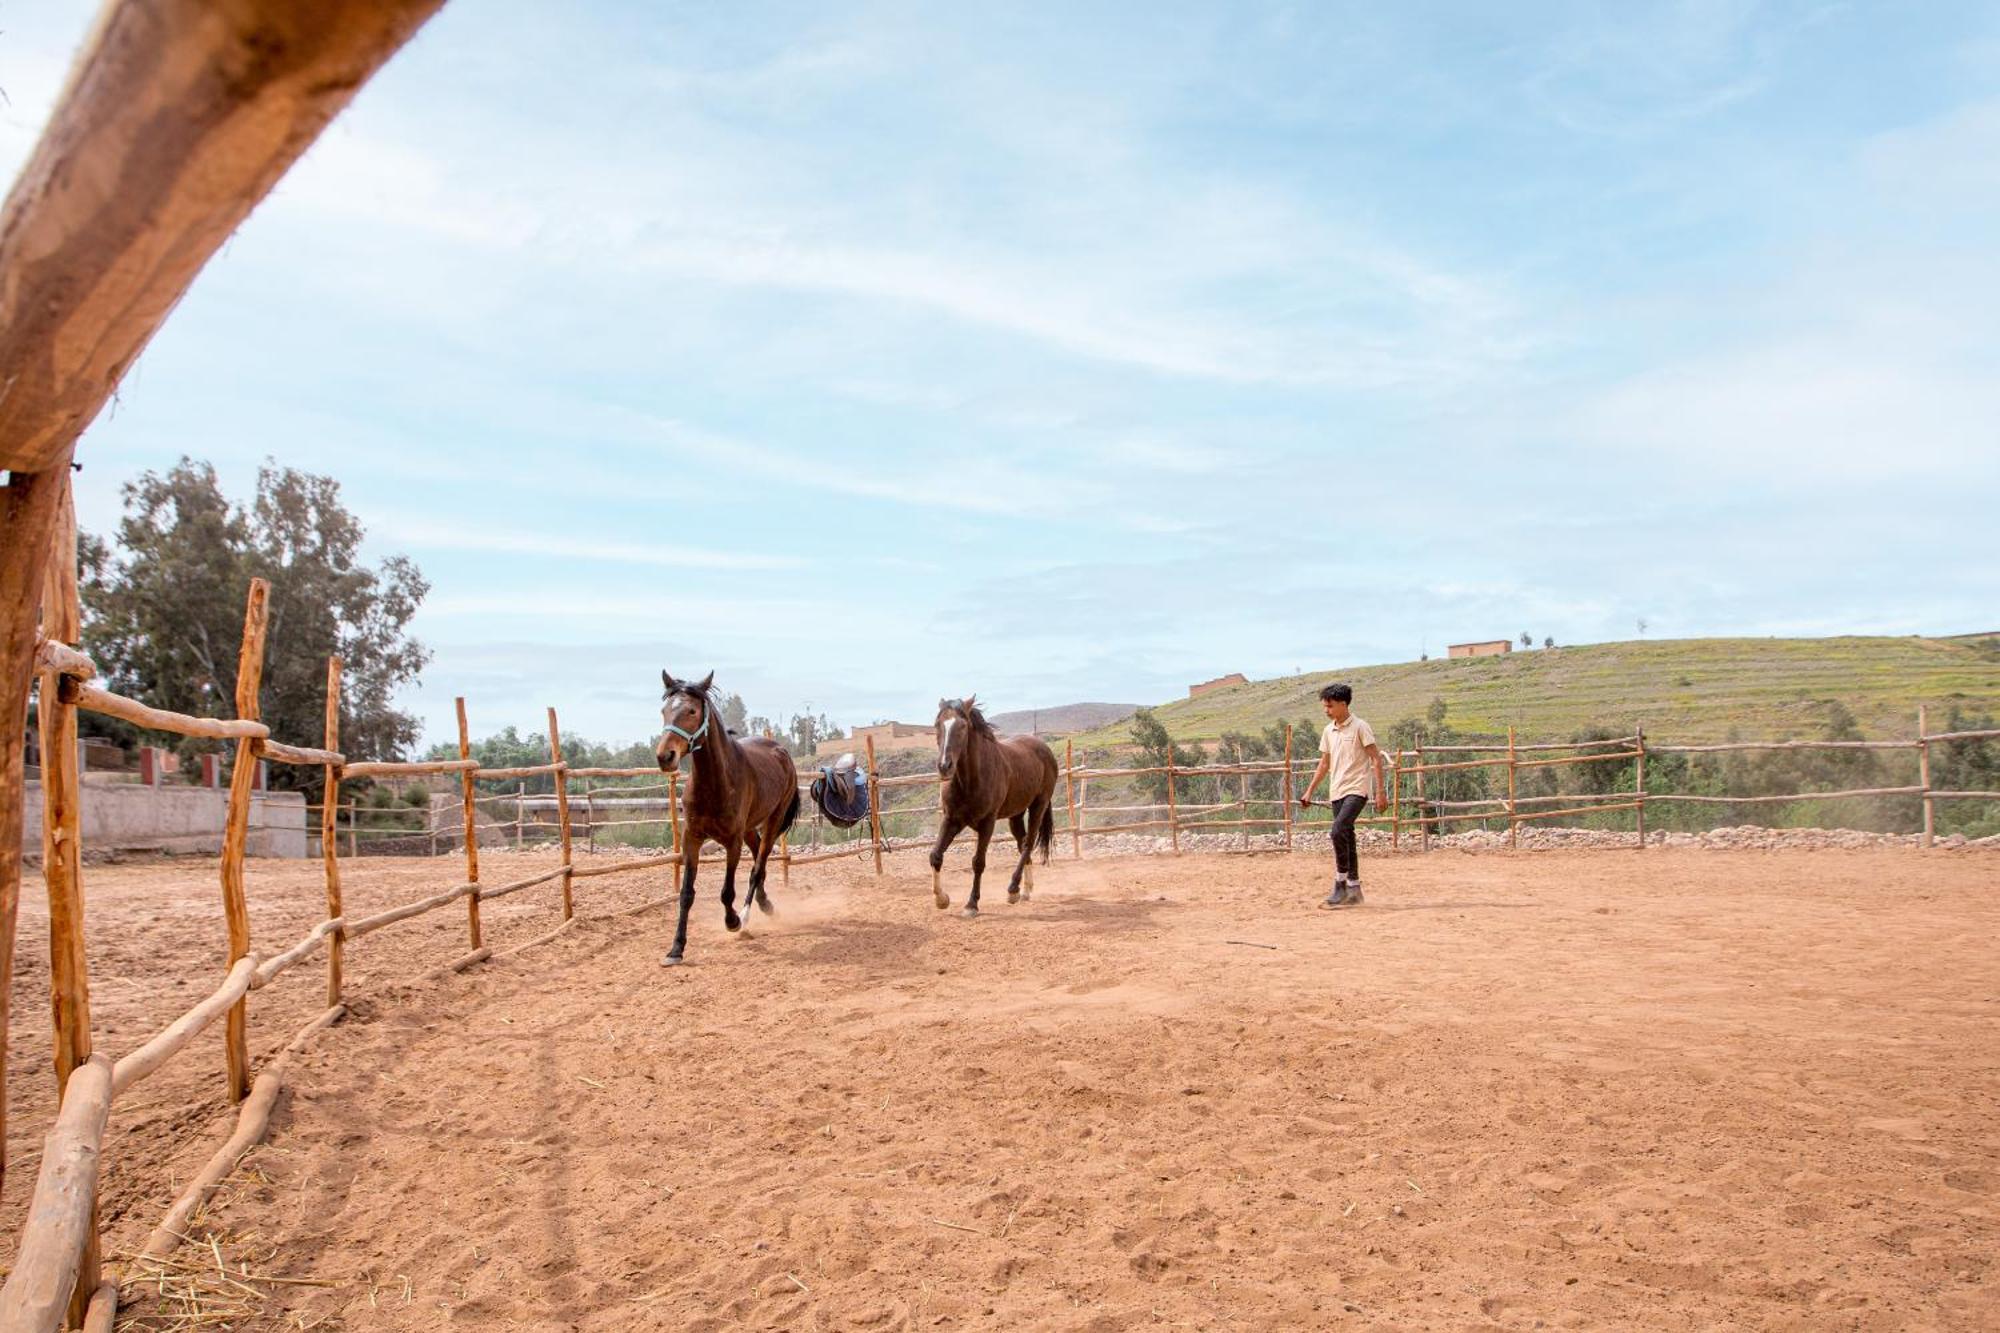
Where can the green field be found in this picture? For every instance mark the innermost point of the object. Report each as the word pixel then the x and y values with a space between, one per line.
pixel 1686 690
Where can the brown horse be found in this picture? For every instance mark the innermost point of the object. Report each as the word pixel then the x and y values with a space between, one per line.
pixel 988 779
pixel 739 792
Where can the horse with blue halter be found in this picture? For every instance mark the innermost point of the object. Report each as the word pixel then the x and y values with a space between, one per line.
pixel 740 792
pixel 988 779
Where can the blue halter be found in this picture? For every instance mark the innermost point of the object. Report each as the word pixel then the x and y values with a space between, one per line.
pixel 693 738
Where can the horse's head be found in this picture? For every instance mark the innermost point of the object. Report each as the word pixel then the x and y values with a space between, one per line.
pixel 956 720
pixel 688 715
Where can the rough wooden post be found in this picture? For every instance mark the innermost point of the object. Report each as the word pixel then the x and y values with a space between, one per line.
pixel 329 835
pixel 466 781
pixel 31 508
pixel 520 814
pixel 1513 823
pixel 590 819
pixel 1069 786
pixel 1287 793
pixel 1639 783
pixel 562 812
pixel 1423 810
pixel 1396 804
pixel 874 803
pixel 236 833
pixel 62 853
pixel 1173 814
pixel 1243 803
pixel 1924 775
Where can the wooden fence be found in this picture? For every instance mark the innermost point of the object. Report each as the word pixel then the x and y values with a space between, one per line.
pixel 58 1271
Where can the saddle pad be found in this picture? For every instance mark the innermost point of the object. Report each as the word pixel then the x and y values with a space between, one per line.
pixel 842 796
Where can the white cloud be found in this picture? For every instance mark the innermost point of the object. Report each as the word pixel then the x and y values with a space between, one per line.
pixel 429 534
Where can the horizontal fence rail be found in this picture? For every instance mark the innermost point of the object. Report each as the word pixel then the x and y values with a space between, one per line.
pixel 57 1267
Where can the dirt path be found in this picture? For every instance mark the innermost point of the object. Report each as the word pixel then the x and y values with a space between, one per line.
pixel 1683 1089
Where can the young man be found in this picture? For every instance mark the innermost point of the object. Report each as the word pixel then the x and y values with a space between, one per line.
pixel 1347 750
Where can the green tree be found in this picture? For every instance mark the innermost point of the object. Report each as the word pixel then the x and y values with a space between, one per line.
pixel 1154 745
pixel 163 608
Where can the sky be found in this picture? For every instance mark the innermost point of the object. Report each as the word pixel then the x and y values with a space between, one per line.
pixel 871 353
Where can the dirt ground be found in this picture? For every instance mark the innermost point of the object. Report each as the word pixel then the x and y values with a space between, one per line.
pixel 1675 1089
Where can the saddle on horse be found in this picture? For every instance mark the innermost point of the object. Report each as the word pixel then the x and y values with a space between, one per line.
pixel 841 792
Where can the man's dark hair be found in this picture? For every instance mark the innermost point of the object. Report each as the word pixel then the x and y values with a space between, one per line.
pixel 1337 693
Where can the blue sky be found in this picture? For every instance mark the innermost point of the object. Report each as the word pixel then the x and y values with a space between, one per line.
pixel 873 352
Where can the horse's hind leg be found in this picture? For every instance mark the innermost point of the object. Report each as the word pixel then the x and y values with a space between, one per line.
pixel 760 860
pixel 1018 825
pixel 1025 872
pixel 985 831
pixel 734 854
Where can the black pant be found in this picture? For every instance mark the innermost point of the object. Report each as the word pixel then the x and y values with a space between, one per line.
pixel 1346 856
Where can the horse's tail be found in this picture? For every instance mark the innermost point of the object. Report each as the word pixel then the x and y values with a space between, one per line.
pixel 791 811
pixel 1047 831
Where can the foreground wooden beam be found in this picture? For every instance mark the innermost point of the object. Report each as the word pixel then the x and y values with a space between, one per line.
pixel 62 1215
pixel 179 116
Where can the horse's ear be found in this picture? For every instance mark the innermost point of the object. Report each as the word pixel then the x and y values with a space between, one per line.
pixel 666 679
pixel 943 704
pixel 706 681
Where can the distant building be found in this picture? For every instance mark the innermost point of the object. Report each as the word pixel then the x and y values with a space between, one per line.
pixel 1219 683
pixel 888 736
pixel 1490 648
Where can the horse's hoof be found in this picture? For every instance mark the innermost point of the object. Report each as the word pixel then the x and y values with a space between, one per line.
pixel 671 960
pixel 942 902
pixel 970 913
pixel 764 906
pixel 1013 896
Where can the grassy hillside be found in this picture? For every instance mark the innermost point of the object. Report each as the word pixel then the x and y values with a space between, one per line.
pixel 1680 689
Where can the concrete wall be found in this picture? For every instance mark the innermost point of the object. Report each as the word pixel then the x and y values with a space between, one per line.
pixel 129 817
pixel 1491 648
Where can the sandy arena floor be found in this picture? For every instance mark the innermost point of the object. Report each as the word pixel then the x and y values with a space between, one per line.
pixel 1677 1090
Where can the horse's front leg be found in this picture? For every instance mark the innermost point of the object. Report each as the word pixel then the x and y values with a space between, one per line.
pixel 985 832
pixel 690 862
pixel 948 828
pixel 733 854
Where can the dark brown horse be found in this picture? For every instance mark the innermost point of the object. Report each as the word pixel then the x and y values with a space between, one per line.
pixel 989 779
pixel 739 792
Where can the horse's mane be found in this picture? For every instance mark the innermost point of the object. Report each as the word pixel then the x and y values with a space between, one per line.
pixel 977 719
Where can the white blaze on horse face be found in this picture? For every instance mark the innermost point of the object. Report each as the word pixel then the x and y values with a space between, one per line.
pixel 944 745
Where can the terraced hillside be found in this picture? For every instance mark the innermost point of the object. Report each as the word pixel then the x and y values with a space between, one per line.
pixel 1680 689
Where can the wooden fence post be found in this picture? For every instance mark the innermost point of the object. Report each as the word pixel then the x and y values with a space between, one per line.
pixel 1423 815
pixel 471 828
pixel 590 819
pixel 520 814
pixel 1243 804
pixel 1639 782
pixel 1513 823
pixel 1396 804
pixel 62 852
pixel 561 776
pixel 1173 815
pixel 236 833
pixel 874 806
pixel 329 834
pixel 1286 787
pixel 1924 776
pixel 1069 784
